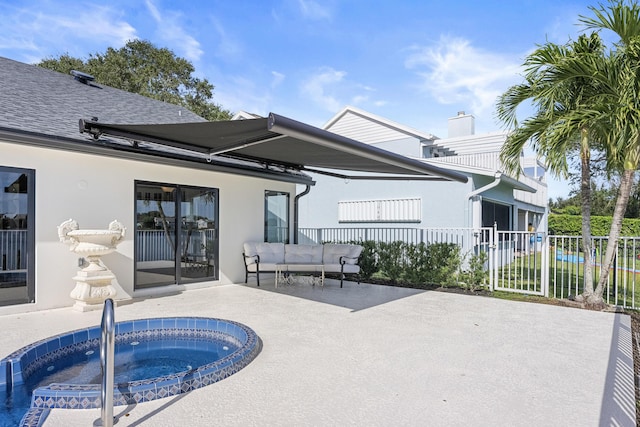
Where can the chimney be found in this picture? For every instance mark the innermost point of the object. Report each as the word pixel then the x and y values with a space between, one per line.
pixel 461 125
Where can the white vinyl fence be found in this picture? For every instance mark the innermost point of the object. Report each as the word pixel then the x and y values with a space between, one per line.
pixel 518 261
pixel 13 250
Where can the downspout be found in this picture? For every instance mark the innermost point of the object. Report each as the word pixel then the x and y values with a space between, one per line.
pixel 492 272
pixel 296 212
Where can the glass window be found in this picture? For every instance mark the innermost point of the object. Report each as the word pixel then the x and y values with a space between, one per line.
pixel 276 217
pixel 170 216
pixel 17 204
pixel 496 213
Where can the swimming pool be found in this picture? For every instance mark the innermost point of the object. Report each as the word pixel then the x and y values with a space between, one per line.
pixel 155 358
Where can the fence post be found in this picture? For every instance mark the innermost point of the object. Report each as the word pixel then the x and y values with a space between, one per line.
pixel 544 268
pixel 494 247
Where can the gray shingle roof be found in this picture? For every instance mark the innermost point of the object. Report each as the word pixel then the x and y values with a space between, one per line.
pixel 38 100
pixel 46 106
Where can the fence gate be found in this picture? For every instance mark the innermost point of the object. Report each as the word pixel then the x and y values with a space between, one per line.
pixel 518 262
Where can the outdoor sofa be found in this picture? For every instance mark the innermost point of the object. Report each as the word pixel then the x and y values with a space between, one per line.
pixel 261 257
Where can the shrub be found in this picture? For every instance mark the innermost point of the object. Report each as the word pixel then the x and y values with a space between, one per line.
pixel 445 263
pixel 475 276
pixel 368 258
pixel 390 259
pixel 571 225
pixel 418 264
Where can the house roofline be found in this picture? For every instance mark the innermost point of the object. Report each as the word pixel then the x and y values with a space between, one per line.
pixel 381 120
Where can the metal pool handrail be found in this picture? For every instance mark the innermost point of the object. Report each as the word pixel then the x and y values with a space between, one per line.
pixel 107 354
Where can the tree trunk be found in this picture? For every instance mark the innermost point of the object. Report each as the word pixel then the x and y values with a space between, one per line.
pixel 585 192
pixel 626 184
pixel 165 226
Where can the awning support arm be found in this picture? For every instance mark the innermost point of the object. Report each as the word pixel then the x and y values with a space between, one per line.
pixel 241 145
pixel 376 177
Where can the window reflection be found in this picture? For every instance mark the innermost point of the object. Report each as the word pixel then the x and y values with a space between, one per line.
pixel 176 238
pixel 16 236
pixel 276 217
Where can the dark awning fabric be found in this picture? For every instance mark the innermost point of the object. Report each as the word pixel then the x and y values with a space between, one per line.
pixel 274 140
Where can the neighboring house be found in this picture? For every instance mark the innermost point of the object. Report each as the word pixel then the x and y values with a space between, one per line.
pixel 488 197
pixel 188 192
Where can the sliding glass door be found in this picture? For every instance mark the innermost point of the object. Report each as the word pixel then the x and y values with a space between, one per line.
pixel 199 242
pixel 177 234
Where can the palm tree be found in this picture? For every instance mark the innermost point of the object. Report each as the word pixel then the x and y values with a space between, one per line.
pixel 619 110
pixel 607 111
pixel 561 122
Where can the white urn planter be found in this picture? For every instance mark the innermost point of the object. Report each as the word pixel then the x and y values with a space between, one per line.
pixel 94 281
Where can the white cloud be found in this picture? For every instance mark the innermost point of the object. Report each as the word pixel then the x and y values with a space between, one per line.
pixel 228 48
pixel 17 42
pixel 51 31
pixel 170 30
pixel 321 86
pixel 153 10
pixel 454 71
pixel 313 10
pixel 239 93
pixel 359 100
pixel 277 79
pixel 104 25
pixel 331 90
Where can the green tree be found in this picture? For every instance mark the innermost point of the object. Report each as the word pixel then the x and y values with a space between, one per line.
pixel 610 113
pixel 618 110
pixel 561 122
pixel 633 208
pixel 142 68
pixel 603 200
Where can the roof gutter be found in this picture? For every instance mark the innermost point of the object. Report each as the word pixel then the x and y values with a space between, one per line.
pixel 295 129
pixel 499 178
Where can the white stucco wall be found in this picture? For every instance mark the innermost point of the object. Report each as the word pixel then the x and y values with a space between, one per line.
pixel 95 190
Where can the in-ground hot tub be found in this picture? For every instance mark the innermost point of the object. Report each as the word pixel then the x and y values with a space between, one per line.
pixel 155 358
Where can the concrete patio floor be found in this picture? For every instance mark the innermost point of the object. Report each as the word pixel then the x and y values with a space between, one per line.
pixel 370 355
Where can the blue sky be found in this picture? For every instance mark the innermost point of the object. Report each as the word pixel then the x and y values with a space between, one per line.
pixel 414 62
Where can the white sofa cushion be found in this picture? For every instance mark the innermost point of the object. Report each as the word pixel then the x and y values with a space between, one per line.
pixel 303 254
pixel 270 253
pixel 302 268
pixel 332 253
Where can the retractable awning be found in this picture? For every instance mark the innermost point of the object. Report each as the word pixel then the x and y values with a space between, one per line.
pixel 275 140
